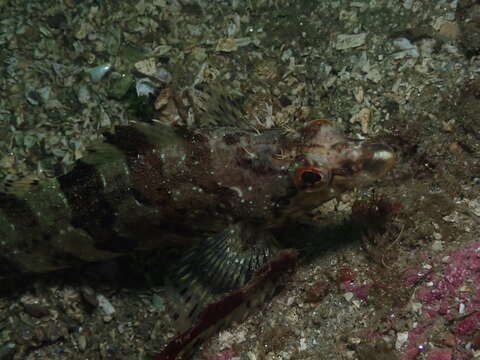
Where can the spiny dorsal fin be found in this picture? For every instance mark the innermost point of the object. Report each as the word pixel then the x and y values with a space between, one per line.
pixel 217 105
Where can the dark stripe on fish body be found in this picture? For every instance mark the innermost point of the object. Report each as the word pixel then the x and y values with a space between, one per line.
pixel 140 138
pixel 21 219
pixel 138 143
pixel 17 211
pixel 8 267
pixel 129 140
pixel 83 188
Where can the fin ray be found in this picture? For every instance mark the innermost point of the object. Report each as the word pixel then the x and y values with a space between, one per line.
pixel 218 265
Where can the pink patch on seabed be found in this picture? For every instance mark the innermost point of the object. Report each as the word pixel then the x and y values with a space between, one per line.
pixel 440 354
pixel 416 342
pixel 452 293
pixel 224 355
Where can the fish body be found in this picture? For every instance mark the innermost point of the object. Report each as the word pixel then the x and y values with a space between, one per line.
pixel 150 186
pixel 224 190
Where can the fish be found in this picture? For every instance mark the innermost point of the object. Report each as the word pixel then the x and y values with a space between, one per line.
pixel 223 191
pixel 150 186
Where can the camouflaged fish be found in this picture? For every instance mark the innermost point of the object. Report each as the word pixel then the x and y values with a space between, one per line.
pixel 150 186
pixel 156 186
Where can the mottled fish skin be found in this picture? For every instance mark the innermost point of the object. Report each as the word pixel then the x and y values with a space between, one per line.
pixel 150 186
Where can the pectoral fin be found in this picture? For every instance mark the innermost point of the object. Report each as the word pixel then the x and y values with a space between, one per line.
pixel 234 305
pixel 212 268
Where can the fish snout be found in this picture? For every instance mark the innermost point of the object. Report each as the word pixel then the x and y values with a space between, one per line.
pixel 371 162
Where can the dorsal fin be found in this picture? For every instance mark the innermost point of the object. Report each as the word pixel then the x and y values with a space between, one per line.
pixel 217 105
pixel 20 186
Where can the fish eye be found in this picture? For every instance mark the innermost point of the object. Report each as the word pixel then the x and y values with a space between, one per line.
pixel 311 177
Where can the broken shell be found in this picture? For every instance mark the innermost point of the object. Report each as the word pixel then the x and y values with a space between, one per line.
pixel 408 50
pixel 227 45
pixel 145 87
pixel 98 72
pixel 105 305
pixel 163 75
pixel 346 41
pixel 147 67
pixel 163 99
pixel 363 117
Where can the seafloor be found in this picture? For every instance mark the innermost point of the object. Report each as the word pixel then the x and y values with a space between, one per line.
pixel 405 72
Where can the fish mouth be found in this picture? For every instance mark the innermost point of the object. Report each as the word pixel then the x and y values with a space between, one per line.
pixel 366 164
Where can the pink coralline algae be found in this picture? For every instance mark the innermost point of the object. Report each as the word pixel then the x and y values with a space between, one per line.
pixel 416 342
pixel 468 324
pixel 440 354
pixel 224 355
pixel 450 294
pixel 348 282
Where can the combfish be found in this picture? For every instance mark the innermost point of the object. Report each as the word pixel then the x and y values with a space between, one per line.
pixel 224 189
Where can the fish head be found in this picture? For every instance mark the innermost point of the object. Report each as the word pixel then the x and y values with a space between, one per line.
pixel 327 163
